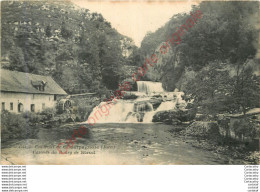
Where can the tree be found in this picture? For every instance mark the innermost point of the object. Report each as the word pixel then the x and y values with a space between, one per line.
pixel 16 58
pixel 75 56
pixel 211 88
pixel 28 55
pixel 110 57
pixel 48 31
pixel 246 90
pixel 65 32
pixel 224 33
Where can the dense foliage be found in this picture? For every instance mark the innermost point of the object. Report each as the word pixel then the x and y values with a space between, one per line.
pixel 216 60
pixel 215 63
pixel 18 126
pixel 77 48
pixel 226 32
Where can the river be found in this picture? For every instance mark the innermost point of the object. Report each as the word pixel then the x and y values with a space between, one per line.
pixel 111 144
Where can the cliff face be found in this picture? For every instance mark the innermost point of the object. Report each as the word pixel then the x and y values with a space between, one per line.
pixel 168 68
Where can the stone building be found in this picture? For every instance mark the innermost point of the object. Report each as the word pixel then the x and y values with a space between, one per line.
pixel 22 92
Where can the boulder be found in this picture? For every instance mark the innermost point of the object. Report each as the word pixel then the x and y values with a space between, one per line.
pixel 174 116
pixel 129 96
pixel 186 115
pixel 203 129
pixel 156 102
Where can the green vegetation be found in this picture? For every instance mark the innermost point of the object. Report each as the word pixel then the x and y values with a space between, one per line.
pixel 215 63
pixel 18 126
pixel 217 92
pixel 246 128
pixel 77 48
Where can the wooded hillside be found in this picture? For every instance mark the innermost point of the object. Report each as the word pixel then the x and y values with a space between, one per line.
pixel 216 61
pixel 79 49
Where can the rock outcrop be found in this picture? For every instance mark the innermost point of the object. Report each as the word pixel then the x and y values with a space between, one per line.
pixel 175 116
pixel 203 129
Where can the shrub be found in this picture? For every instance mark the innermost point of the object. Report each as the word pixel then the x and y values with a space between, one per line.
pixel 82 107
pixel 82 112
pixel 246 127
pixel 49 113
pixel 32 117
pixel 203 129
pixel 15 126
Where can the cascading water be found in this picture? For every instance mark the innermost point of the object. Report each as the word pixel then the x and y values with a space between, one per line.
pixel 140 109
pixel 114 113
pixel 149 87
pixel 148 118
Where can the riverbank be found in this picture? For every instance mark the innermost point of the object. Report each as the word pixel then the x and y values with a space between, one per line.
pixel 228 147
pixel 139 144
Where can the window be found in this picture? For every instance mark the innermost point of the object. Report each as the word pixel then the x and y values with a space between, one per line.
pixel 32 108
pixel 11 106
pixel 43 106
pixel 55 97
pixel 39 85
pixel 20 107
pixel 3 106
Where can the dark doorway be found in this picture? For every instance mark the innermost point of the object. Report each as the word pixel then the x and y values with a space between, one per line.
pixel 32 108
pixel 20 107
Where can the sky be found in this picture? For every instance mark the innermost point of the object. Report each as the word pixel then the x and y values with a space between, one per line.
pixel 135 19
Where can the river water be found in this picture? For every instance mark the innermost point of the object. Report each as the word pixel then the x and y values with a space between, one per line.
pixel 111 144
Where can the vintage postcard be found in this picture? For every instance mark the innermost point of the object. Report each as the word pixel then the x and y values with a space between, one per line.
pixel 130 82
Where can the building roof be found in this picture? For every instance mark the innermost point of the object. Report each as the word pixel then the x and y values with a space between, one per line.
pixel 14 81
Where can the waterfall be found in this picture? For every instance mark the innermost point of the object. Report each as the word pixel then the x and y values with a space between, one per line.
pixel 143 107
pixel 140 109
pixel 164 106
pixel 167 105
pixel 148 118
pixel 149 87
pixel 112 113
